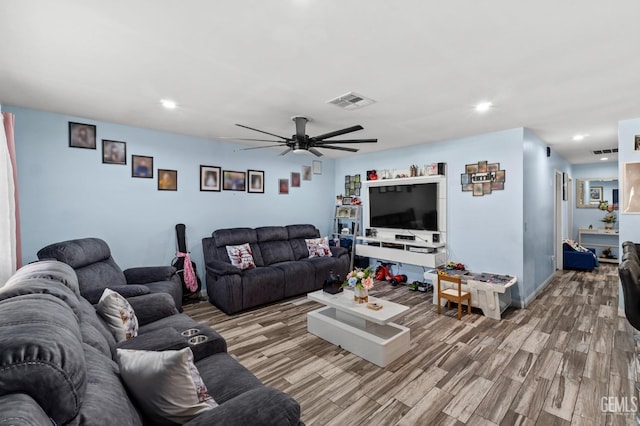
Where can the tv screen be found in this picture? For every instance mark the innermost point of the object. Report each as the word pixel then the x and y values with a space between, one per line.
pixel 413 206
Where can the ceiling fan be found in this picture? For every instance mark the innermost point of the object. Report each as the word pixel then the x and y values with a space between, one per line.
pixel 300 142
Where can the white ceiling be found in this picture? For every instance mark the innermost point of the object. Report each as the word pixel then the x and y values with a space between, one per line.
pixel 556 67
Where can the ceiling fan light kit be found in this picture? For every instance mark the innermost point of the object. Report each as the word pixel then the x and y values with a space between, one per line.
pixel 301 143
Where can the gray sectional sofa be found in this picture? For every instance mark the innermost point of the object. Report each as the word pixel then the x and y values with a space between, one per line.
pixel 58 363
pixel 283 267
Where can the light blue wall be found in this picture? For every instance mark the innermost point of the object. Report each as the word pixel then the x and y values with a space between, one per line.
pixel 582 218
pixel 539 213
pixel 68 193
pixel 485 233
pixel 629 224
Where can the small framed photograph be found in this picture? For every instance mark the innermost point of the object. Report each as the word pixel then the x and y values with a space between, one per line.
pixel 595 194
pixel 234 181
pixel 283 186
pixel 209 178
pixel 477 190
pixel 343 212
pixel 346 201
pixel 82 135
pixel 114 152
pixel 167 180
pixel 471 168
pixel 306 172
pixel 636 144
pixel 141 166
pixel 256 181
pixel 317 167
pixel 295 180
pixel 482 166
pixel 493 167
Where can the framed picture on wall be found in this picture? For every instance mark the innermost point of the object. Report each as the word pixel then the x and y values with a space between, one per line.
pixel 295 180
pixel 234 181
pixel 114 152
pixel 209 178
pixel 595 194
pixel 636 142
pixel 167 180
pixel 306 172
pixel 141 166
pixel 256 181
pixel 317 167
pixel 630 188
pixel 283 186
pixel 82 135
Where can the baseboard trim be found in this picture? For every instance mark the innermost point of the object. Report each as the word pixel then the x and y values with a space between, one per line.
pixel 520 304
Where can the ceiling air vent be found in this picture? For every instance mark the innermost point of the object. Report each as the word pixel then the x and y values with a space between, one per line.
pixel 351 101
pixel 605 151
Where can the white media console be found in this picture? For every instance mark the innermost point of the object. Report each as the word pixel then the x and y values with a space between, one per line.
pixel 423 248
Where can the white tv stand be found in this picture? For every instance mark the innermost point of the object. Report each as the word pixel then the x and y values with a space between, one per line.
pixel 403 251
pixel 413 247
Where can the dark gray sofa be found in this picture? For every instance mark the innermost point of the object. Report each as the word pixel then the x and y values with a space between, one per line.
pixel 96 270
pixel 57 359
pixel 283 267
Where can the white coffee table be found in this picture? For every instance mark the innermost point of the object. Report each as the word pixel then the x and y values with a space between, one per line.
pixel 365 332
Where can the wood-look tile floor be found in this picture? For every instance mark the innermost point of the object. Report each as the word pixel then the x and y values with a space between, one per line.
pixel 549 364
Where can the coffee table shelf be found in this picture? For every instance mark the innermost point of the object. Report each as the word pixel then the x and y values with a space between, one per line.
pixel 365 332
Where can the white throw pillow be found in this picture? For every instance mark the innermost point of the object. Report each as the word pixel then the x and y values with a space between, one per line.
pixel 118 314
pixel 318 247
pixel 241 256
pixel 166 384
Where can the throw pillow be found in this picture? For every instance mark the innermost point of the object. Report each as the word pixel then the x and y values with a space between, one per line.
pixel 166 384
pixel 118 314
pixel 241 256
pixel 318 247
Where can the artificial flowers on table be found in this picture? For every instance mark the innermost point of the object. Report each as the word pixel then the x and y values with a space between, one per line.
pixel 359 278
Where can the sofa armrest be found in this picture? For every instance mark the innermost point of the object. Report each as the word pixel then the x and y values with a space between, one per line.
pixel 259 406
pixel 125 291
pixel 21 409
pixel 338 251
pixel 219 269
pixel 164 339
pixel 152 307
pixel 149 274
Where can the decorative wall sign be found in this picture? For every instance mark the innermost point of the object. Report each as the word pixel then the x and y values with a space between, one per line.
pixel 482 178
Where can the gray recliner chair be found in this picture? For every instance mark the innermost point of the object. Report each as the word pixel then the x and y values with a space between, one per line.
pixel 96 270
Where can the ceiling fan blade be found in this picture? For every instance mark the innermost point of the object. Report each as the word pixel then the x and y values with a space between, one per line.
pixel 262 131
pixel 301 123
pixel 260 147
pixel 286 151
pixel 348 141
pixel 337 133
pixel 340 148
pixel 315 152
pixel 248 139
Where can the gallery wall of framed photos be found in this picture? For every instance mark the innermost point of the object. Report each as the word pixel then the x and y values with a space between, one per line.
pixel 212 178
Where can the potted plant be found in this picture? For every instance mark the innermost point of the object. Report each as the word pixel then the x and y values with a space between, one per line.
pixel 609 218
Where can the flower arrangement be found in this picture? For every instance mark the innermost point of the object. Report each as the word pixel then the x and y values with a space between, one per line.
pixel 609 217
pixel 359 278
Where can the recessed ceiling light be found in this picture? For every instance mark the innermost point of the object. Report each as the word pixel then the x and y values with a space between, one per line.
pixel 483 106
pixel 604 158
pixel 579 137
pixel 168 104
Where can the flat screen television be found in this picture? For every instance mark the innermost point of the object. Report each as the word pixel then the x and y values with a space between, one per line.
pixel 413 206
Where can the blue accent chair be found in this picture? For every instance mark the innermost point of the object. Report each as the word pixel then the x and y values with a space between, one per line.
pixel 580 260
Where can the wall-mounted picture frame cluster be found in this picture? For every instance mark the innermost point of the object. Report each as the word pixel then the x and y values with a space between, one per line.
pixel 296 178
pixel 352 185
pixel 482 178
pixel 212 178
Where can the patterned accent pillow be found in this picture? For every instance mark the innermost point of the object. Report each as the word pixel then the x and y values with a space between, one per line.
pixel 241 256
pixel 167 384
pixel 318 247
pixel 118 314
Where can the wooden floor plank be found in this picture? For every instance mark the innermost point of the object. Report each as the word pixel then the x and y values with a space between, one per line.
pixel 548 364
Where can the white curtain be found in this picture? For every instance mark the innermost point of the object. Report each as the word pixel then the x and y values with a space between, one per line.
pixel 8 203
